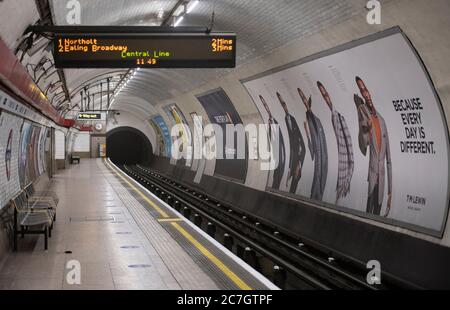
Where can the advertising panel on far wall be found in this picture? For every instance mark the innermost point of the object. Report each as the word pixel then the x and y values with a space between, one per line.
pixel 31 154
pixel 184 133
pixel 361 130
pixel 36 156
pixel 42 142
pixel 199 164
pixel 23 152
pixel 222 112
pixel 161 144
pixel 40 149
pixel 165 132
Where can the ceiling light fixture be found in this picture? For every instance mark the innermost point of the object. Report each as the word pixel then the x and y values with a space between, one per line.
pixel 179 20
pixel 191 6
pixel 160 13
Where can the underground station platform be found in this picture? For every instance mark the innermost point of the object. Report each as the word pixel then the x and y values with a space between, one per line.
pixel 220 153
pixel 140 242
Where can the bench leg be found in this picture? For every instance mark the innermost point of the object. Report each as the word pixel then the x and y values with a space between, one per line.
pixel 50 231
pixel 46 238
pixel 22 231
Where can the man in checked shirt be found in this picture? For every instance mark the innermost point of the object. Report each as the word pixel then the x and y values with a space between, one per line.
pixel 346 163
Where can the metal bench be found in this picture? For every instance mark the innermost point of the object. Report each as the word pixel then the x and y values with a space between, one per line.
pixel 45 199
pixel 74 158
pixel 26 216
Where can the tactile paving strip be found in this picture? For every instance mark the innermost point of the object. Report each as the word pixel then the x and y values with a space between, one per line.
pixel 187 273
pixel 219 277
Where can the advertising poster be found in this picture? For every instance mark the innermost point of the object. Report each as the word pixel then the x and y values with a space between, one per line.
pixel 31 154
pixel 177 118
pixel 199 164
pixel 36 156
pixel 40 153
pixel 25 139
pixel 9 155
pixel 165 133
pixel 160 139
pixel 362 130
pixel 42 141
pixel 222 112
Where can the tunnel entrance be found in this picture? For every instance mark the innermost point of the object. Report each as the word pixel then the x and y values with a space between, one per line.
pixel 128 146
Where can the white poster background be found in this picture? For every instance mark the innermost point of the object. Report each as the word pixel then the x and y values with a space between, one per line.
pixel 9 187
pixel 82 143
pixel 60 145
pixel 40 153
pixel 390 69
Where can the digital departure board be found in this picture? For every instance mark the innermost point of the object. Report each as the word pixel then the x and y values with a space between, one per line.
pixel 145 51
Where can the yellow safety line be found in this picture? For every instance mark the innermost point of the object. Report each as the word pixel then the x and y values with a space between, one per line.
pixel 230 274
pixel 171 220
pixel 151 203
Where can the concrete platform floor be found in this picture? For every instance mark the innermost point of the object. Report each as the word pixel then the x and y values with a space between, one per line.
pixel 100 233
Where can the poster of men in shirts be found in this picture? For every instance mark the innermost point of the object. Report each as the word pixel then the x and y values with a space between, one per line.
pixel 361 130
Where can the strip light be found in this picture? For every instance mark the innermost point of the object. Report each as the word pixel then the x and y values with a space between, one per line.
pixel 179 20
pixel 192 6
pixel 127 79
pixel 188 9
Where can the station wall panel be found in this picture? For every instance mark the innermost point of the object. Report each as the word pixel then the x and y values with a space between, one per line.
pixel 10 126
pixel 60 145
pixel 22 151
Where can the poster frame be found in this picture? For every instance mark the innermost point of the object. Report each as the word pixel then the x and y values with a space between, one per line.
pixel 218 175
pixel 168 147
pixel 343 47
pixel 182 162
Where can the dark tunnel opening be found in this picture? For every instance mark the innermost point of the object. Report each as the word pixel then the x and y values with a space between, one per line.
pixel 128 146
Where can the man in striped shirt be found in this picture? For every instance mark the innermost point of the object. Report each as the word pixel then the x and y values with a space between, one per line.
pixel 346 163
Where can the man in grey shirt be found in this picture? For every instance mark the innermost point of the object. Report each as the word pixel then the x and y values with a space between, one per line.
pixel 317 144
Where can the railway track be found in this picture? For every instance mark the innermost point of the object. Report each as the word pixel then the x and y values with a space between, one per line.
pixel 313 266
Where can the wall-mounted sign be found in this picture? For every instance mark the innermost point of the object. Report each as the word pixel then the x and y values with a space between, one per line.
pixel 13 106
pixel 87 116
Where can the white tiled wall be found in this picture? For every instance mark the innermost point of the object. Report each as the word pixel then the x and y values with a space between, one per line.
pixel 9 187
pixel 82 142
pixel 60 145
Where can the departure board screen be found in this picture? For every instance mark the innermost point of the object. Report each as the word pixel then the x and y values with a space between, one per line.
pixel 146 51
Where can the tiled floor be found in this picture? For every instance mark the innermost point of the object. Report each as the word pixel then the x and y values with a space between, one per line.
pixel 95 225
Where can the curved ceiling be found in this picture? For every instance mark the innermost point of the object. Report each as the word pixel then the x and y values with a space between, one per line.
pixel 261 27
